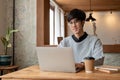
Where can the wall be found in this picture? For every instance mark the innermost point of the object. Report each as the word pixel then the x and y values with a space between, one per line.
pixel 25 54
pixel 25 39
pixel 108 30
pixel 5 20
pixel 2 21
pixel 25 22
pixel 108 27
pixel 112 59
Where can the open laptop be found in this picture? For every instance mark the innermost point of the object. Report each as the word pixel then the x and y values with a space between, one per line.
pixel 56 59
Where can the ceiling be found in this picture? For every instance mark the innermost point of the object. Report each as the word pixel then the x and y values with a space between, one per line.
pixel 96 5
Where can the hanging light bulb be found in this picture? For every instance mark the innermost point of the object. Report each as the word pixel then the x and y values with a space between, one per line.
pixel 90 18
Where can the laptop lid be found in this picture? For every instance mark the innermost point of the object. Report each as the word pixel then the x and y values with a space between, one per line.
pixel 56 59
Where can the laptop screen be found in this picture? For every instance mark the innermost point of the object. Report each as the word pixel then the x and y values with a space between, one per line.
pixel 56 59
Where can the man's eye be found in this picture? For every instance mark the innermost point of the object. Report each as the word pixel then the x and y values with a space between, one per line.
pixel 71 22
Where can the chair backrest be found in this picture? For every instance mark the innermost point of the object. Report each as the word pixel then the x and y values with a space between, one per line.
pixel 59 39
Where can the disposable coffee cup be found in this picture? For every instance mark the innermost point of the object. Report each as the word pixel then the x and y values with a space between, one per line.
pixel 89 64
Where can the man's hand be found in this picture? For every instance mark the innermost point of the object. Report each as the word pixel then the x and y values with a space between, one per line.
pixel 79 65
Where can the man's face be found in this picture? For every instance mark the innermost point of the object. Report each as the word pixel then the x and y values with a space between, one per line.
pixel 76 26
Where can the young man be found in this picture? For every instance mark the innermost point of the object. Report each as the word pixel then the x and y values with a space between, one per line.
pixel 83 44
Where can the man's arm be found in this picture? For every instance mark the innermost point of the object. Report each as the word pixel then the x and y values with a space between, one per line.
pixel 98 53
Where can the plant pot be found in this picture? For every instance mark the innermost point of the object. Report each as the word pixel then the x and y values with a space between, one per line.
pixel 5 60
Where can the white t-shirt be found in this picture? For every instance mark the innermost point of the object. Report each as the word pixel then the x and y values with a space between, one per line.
pixel 90 46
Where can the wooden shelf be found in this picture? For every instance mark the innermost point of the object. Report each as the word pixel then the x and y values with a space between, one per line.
pixel 8 69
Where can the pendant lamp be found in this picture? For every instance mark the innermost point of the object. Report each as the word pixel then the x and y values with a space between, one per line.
pixel 90 18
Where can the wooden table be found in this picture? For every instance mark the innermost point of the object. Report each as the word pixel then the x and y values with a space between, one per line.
pixel 34 73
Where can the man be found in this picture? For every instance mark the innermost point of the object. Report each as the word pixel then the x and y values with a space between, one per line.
pixel 83 44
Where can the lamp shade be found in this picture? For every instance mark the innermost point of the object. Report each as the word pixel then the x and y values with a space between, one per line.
pixel 90 18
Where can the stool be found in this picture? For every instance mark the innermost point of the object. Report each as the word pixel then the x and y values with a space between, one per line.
pixel 8 69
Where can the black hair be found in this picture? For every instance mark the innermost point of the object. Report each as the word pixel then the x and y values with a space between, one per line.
pixel 76 13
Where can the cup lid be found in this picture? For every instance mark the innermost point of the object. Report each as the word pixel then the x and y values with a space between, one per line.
pixel 89 58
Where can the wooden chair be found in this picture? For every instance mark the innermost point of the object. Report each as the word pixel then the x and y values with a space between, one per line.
pixel 59 39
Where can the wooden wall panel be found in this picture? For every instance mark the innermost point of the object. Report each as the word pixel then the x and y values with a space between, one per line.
pixel 111 48
pixel 42 22
pixel 40 19
pixel 106 48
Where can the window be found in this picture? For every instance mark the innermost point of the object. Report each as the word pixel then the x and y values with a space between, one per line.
pixel 51 25
pixel 56 23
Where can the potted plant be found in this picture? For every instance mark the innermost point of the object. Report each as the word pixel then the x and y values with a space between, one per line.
pixel 5 59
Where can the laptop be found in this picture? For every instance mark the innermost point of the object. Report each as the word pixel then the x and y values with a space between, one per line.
pixel 56 59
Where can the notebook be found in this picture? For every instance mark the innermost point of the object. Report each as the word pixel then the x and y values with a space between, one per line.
pixel 108 69
pixel 56 59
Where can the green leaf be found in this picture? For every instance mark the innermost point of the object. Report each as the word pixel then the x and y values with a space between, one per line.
pixel 4 41
pixel 8 30
pixel 9 45
pixel 13 31
pixel 7 37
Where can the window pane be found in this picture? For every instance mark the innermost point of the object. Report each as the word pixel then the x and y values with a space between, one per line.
pixel 51 27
